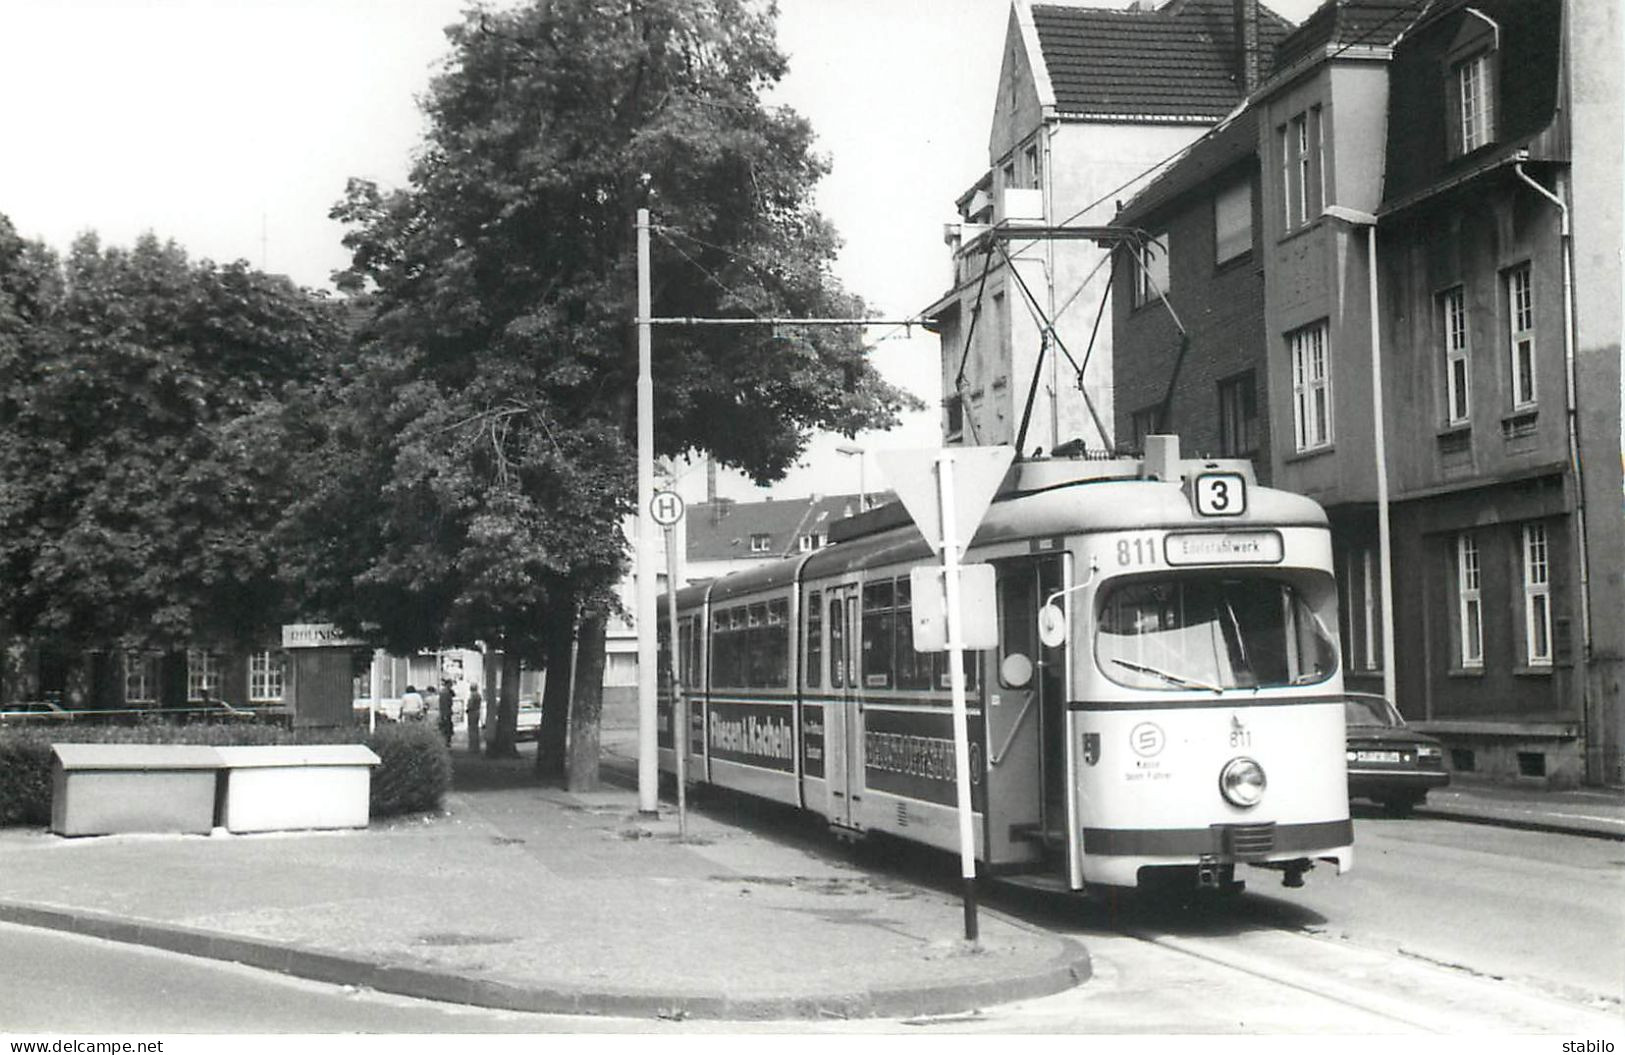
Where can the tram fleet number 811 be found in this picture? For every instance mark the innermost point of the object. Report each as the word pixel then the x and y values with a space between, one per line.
pixel 1162 706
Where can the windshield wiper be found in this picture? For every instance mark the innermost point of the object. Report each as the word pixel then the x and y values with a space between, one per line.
pixel 1172 679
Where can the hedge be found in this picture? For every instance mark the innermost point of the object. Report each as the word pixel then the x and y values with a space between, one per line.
pixel 412 777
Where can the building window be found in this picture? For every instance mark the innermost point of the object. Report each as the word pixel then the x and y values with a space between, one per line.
pixel 1145 422
pixel 1521 318
pixel 1537 596
pixel 954 408
pixel 1311 386
pixel 140 677
pixel 761 543
pixel 1475 103
pixel 1238 416
pixel 1469 603
pixel 1233 222
pixel 202 675
pixel 265 677
pixel 808 543
pixel 1301 140
pixel 1009 174
pixel 1363 614
pixel 1151 274
pixel 1457 374
pixel 1035 174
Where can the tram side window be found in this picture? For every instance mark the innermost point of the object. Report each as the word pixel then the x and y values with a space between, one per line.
pixel 1017 604
pixel 770 643
pixel 815 639
pixel 724 648
pixel 837 644
pixel 879 622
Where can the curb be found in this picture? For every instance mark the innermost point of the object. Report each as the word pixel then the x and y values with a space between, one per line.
pixel 1070 967
pixel 1467 815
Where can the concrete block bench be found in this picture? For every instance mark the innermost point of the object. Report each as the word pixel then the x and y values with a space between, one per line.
pixel 108 789
pixel 295 786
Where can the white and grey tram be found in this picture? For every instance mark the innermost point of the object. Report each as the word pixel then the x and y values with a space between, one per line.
pixel 1186 718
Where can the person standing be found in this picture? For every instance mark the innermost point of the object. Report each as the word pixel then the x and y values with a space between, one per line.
pixel 446 700
pixel 411 705
pixel 474 718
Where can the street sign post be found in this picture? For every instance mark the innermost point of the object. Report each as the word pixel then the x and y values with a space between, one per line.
pixel 666 507
pixel 965 480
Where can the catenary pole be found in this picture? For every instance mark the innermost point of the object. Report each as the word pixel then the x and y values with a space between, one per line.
pixel 646 612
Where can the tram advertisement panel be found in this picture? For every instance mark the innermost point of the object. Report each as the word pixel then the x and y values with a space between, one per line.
pixel 812 740
pixel 754 734
pixel 911 753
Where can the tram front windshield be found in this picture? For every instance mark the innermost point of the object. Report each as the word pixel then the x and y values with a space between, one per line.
pixel 1196 632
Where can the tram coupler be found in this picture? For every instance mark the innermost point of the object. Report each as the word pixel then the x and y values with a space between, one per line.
pixel 1292 872
pixel 1208 875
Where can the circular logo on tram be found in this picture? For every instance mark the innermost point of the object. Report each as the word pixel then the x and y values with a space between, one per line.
pixel 1146 739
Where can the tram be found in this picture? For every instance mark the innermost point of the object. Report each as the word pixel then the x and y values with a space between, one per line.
pixel 1163 703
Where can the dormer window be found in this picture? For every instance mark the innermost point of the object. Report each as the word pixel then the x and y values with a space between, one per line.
pixel 761 543
pixel 1475 105
pixel 1471 73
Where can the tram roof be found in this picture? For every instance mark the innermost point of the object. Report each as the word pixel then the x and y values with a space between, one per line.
pixel 1099 504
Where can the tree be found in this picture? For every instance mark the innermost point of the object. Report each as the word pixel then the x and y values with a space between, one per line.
pixel 502 286
pixel 139 477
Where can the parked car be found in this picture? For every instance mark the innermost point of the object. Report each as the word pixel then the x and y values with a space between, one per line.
pixel 529 722
pixel 1388 762
pixel 33 712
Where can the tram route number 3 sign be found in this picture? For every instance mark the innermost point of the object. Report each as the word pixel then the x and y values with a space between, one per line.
pixel 1221 495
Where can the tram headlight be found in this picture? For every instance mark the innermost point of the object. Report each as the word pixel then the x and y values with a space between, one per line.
pixel 1242 782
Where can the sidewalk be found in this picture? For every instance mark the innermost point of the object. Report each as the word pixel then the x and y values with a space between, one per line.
pixel 529 898
pixel 1585 811
pixel 532 899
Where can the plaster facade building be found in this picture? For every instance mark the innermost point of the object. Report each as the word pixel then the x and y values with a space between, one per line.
pixel 1088 100
pixel 1441 143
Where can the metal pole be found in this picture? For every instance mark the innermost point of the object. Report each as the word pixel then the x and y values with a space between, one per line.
pixel 646 612
pixel 1384 544
pixel 956 681
pixel 679 701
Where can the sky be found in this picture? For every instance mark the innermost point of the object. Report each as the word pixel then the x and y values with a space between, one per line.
pixel 231 126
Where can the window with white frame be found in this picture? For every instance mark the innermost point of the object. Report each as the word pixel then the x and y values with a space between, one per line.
pixel 1364 609
pixel 1311 386
pixel 1151 271
pixel 1469 602
pixel 1521 320
pixel 141 677
pixel 1457 365
pixel 1301 141
pixel 265 676
pixel 761 543
pixel 202 674
pixel 1030 164
pixel 1475 102
pixel 1233 222
pixel 1537 596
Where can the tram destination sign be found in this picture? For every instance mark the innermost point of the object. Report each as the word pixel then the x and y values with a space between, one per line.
pixel 1224 547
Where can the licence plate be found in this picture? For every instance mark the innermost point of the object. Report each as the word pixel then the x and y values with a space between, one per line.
pixel 1376 756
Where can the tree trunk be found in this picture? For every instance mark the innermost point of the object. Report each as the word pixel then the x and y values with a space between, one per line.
pixel 553 737
pixel 505 700
pixel 586 705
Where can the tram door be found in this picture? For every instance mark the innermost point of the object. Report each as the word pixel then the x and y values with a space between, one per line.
pixel 1026 714
pixel 842 722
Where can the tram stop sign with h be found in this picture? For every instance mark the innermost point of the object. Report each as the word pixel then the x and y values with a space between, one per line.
pixel 666 507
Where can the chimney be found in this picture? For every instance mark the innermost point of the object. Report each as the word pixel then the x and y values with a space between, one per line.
pixel 711 479
pixel 1244 14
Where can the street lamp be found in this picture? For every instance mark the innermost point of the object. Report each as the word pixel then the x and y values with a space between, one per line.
pixel 853 450
pixel 1356 218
